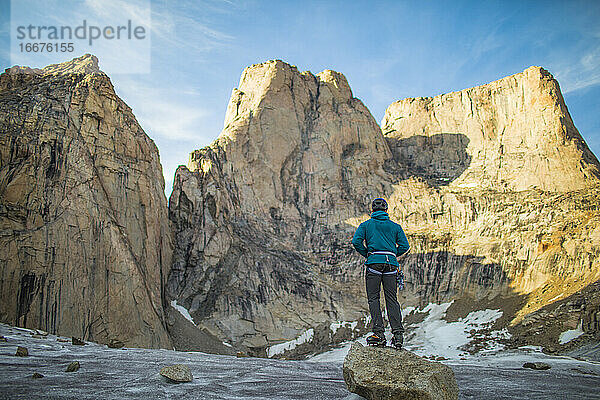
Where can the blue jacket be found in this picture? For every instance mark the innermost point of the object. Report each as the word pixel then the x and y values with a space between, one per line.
pixel 381 236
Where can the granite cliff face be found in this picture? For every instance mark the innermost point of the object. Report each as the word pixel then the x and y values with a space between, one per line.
pixel 258 213
pixel 495 187
pixel 513 134
pixel 85 242
pixel 498 178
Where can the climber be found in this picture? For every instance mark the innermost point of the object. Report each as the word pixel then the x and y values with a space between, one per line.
pixel 384 241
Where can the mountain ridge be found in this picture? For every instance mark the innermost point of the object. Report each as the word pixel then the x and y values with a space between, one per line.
pixel 458 251
pixel 259 221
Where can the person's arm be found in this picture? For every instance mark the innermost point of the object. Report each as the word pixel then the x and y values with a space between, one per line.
pixel 358 239
pixel 401 242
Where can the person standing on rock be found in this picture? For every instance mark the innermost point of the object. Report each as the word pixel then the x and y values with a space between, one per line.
pixel 381 241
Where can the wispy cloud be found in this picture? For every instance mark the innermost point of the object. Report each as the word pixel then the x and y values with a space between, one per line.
pixel 138 11
pixel 183 28
pixel 176 120
pixel 584 71
pixel 581 74
pixel 173 121
pixel 164 112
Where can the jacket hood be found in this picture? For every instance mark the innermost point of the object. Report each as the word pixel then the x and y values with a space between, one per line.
pixel 381 215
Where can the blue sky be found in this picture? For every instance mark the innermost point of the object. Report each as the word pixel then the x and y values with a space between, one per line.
pixel 387 51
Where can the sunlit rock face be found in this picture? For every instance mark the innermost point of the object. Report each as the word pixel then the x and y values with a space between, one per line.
pixel 513 134
pixel 85 242
pixel 494 186
pixel 261 214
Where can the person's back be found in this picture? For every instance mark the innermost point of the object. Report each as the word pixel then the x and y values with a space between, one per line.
pixel 380 241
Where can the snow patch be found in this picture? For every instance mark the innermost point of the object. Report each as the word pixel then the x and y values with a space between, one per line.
pixel 569 335
pixel 435 336
pixel 340 324
pixel 466 185
pixel 529 347
pixel 280 348
pixel 183 311
pixel 555 298
pixel 407 311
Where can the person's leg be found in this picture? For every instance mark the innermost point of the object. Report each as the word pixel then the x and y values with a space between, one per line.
pixel 373 282
pixel 392 305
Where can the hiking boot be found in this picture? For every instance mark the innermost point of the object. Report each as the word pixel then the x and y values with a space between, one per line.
pixel 397 341
pixel 376 340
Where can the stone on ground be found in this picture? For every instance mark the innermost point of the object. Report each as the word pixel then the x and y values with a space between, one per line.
pixel 22 351
pixel 73 366
pixel 537 365
pixel 177 373
pixel 386 373
pixel 77 341
pixel 115 344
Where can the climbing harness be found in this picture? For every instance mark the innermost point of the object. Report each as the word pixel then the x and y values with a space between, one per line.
pixel 400 279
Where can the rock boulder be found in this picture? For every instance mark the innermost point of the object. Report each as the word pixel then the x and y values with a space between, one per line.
pixel 386 373
pixel 177 373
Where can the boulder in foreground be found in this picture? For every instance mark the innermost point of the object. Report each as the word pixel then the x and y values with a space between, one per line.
pixel 73 366
pixel 22 351
pixel 386 373
pixel 177 373
pixel 540 366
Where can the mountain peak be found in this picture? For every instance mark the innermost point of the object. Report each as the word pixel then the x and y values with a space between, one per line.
pixel 514 133
pixel 337 83
pixel 86 64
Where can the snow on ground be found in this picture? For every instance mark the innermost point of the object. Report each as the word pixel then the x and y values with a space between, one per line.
pixel 290 345
pixel 569 335
pixel 115 374
pixel 308 336
pixel 183 311
pixel 339 324
pixel 436 337
pixel 555 298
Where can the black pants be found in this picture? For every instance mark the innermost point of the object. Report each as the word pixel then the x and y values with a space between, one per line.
pixel 373 283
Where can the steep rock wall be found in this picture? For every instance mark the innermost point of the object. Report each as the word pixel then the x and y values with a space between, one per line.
pixel 258 210
pixel 494 186
pixel 85 242
pixel 512 134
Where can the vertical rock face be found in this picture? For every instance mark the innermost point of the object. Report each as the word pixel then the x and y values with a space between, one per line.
pixel 259 211
pixel 513 134
pixel 85 243
pixel 499 185
pixel 494 186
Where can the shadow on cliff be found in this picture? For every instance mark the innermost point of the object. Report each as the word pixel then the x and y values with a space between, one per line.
pixel 439 276
pixel 438 159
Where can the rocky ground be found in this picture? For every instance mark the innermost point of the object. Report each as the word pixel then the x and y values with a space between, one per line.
pixel 134 374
